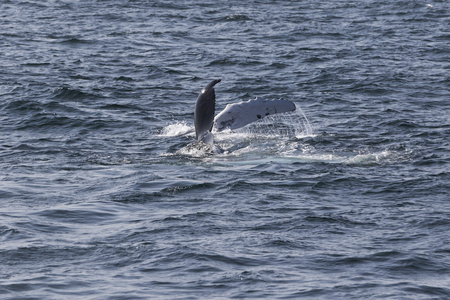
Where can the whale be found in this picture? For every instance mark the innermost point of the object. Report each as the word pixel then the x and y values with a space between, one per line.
pixel 234 116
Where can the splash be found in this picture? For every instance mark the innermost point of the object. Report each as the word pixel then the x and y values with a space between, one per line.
pixel 283 138
pixel 274 135
pixel 268 137
pixel 177 129
pixel 367 159
pixel 385 156
pixel 196 150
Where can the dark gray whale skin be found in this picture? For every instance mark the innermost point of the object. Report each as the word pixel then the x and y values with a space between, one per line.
pixel 204 110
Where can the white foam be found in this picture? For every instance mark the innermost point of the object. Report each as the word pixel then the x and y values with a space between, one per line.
pixel 359 159
pixel 274 136
pixel 177 129
pixel 322 157
pixel 372 158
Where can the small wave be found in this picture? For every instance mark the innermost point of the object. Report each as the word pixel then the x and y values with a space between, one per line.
pixel 69 93
pixel 123 78
pixel 68 39
pixel 222 62
pixel 8 233
pixel 235 17
pixel 74 40
pixel 80 214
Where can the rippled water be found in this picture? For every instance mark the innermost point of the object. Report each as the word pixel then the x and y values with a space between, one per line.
pixel 102 197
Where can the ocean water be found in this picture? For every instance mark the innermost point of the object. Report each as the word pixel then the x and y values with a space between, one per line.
pixel 102 196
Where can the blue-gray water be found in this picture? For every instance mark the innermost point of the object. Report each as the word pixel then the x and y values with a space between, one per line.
pixel 101 197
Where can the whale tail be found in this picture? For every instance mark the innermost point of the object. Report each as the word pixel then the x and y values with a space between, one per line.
pixel 204 113
pixel 234 116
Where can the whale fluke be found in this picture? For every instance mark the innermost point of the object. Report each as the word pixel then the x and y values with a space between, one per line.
pixel 204 112
pixel 234 116
pixel 237 115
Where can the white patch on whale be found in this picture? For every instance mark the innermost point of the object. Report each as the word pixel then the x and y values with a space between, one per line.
pixel 238 115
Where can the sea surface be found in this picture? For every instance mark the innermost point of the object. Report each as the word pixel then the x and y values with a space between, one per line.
pixel 102 195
